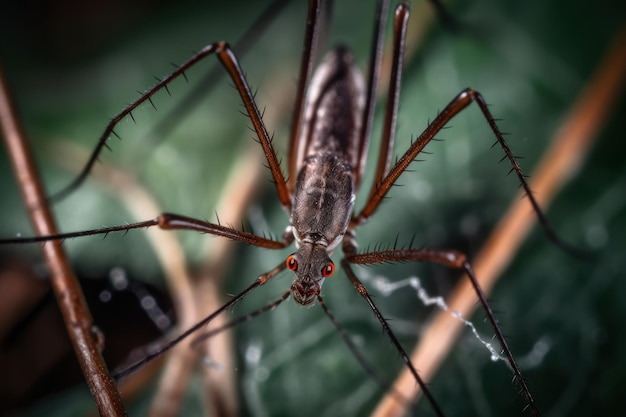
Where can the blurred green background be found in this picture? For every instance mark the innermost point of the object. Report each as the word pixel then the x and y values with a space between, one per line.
pixel 74 65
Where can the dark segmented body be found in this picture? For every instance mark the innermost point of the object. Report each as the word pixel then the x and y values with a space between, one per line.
pixel 328 153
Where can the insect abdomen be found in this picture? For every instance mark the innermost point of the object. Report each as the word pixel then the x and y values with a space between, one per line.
pixel 323 201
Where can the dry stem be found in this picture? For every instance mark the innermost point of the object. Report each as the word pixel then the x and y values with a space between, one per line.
pixel 69 295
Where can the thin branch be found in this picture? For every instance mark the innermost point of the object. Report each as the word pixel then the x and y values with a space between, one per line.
pixel 70 298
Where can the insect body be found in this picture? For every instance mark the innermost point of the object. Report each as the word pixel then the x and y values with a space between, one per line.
pixel 326 163
pixel 324 194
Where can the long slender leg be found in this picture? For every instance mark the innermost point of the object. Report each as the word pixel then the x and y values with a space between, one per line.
pixel 169 345
pixel 231 64
pixel 393 95
pixel 460 102
pixel 306 68
pixel 177 116
pixel 359 357
pixel 360 288
pixel 169 221
pixel 401 20
pixel 457 260
pixel 376 55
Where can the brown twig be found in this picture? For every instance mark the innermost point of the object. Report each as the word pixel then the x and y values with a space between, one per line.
pixel 69 295
pixel 564 157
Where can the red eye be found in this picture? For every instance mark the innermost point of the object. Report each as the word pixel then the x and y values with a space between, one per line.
pixel 328 270
pixel 292 263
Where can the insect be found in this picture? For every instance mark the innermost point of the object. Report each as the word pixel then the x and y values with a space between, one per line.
pixel 420 169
